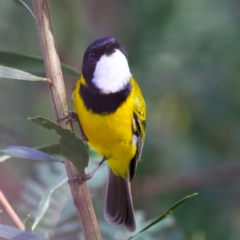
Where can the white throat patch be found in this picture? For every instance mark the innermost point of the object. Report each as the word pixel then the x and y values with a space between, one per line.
pixel 112 72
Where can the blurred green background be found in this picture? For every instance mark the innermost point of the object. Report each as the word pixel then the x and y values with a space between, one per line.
pixel 185 57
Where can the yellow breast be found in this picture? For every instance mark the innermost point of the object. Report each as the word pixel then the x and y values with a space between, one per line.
pixel 111 134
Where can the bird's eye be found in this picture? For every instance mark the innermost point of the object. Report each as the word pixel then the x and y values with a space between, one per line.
pixel 91 56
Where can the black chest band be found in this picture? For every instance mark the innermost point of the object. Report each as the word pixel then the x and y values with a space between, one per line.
pixel 103 103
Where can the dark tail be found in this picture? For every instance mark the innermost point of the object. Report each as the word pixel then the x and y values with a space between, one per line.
pixel 118 203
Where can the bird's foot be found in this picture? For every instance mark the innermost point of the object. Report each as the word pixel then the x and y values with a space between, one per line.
pixel 70 116
pixel 88 176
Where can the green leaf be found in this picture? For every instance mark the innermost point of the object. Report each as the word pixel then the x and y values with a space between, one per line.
pixel 68 70
pixel 53 148
pixel 168 212
pixel 72 147
pixel 25 6
pixel 12 233
pixel 29 153
pixel 31 63
pixel 28 223
pixel 12 73
pixel 45 201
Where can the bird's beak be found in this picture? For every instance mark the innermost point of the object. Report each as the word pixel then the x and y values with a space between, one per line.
pixel 112 48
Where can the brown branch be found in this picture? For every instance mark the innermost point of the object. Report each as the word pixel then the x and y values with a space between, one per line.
pixel 9 210
pixel 218 175
pixel 80 191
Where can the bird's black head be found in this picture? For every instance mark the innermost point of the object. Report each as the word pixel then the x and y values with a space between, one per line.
pixel 103 46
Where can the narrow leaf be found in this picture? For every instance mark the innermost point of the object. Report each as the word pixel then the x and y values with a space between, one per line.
pixel 28 223
pixel 26 7
pixel 31 63
pixel 12 233
pixel 49 149
pixel 12 73
pixel 72 147
pixel 29 153
pixel 45 202
pixel 168 212
pixel 4 158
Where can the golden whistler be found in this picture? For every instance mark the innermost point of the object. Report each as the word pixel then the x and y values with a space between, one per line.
pixel 112 113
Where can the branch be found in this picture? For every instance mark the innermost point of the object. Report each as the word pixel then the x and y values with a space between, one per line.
pixel 79 189
pixel 9 210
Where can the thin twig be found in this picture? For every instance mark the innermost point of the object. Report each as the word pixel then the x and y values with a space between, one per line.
pixel 9 210
pixel 80 191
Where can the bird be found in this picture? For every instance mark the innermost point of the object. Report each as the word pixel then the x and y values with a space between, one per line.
pixel 111 111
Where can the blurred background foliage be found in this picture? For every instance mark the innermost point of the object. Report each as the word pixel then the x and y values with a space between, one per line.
pixel 185 56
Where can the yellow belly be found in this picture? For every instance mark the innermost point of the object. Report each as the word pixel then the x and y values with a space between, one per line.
pixel 110 135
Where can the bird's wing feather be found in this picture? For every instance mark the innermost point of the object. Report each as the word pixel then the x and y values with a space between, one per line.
pixel 138 126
